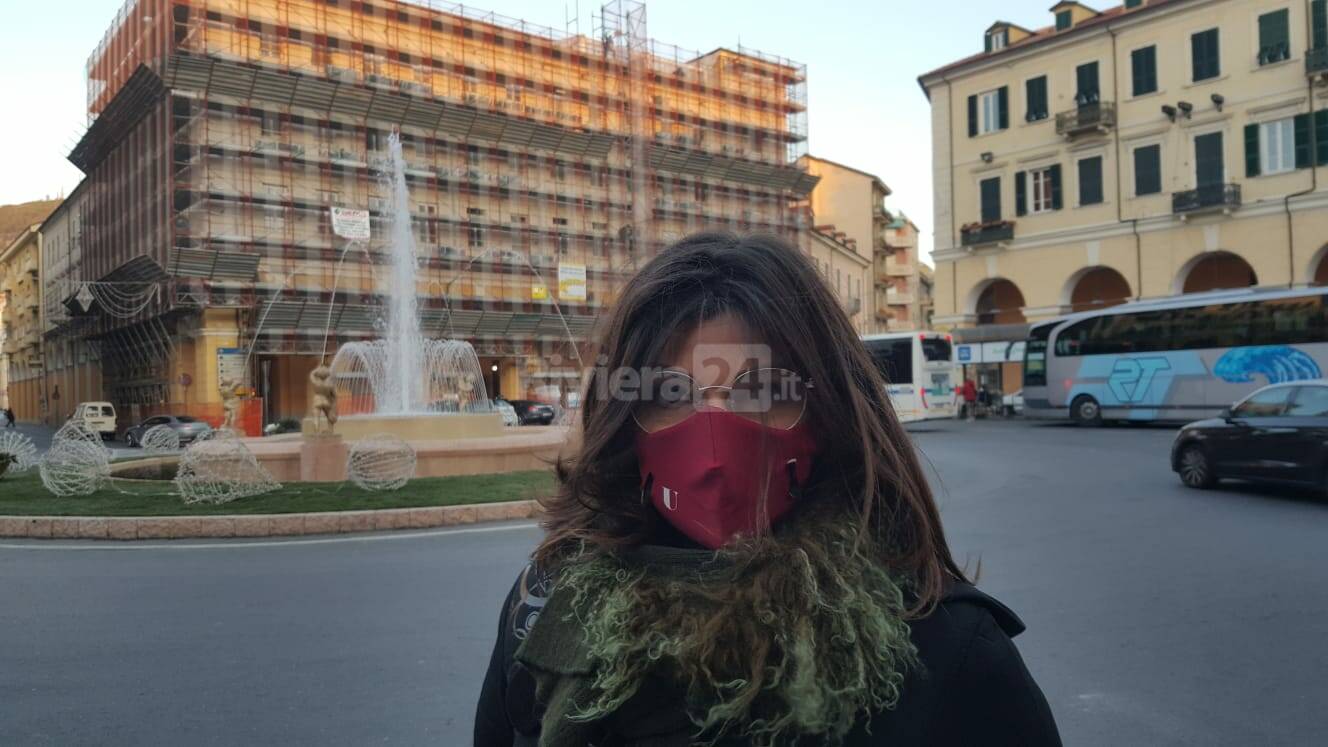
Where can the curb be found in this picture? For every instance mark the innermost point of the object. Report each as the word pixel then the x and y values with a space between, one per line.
pixel 259 525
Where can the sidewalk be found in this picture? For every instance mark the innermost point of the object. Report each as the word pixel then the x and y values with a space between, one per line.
pixel 40 434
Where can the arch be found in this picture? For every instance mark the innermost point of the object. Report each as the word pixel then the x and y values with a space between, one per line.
pixel 997 301
pixel 1095 287
pixel 1318 269
pixel 1215 271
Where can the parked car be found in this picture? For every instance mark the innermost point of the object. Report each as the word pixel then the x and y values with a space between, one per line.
pixel 508 412
pixel 98 417
pixel 189 429
pixel 1013 404
pixel 1277 434
pixel 530 412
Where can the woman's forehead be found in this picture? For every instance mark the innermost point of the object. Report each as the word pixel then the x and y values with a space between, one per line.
pixel 719 349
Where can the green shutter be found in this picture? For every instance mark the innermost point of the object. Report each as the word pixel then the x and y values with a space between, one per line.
pixel 1055 187
pixel 1090 181
pixel 1204 54
pixel 986 42
pixel 1064 20
pixel 1321 137
pixel 1319 23
pixel 1133 3
pixel 1035 91
pixel 1252 150
pixel 990 191
pixel 1020 198
pixel 972 116
pixel 1300 125
pixel 1143 66
pixel 1147 170
pixel 1003 107
pixel 1274 37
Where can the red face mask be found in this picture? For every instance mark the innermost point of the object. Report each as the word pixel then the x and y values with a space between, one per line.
pixel 704 475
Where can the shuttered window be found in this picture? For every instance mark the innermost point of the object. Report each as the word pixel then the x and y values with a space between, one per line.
pixel 1143 66
pixel 1035 91
pixel 990 194
pixel 1090 180
pixel 1274 37
pixel 1147 170
pixel 1205 55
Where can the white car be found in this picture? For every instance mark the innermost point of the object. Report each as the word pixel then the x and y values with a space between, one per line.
pixel 1013 404
pixel 506 410
pixel 98 417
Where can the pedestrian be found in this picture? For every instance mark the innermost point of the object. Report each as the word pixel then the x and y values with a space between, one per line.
pixel 9 417
pixel 970 399
pixel 743 549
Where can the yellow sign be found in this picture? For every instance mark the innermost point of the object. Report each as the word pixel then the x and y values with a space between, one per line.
pixel 571 282
pixel 539 293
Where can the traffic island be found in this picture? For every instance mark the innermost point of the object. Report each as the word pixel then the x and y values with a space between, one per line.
pixel 146 509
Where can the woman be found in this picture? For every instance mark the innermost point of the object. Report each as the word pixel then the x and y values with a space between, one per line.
pixel 744 550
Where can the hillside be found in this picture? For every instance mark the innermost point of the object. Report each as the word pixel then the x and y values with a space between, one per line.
pixel 15 218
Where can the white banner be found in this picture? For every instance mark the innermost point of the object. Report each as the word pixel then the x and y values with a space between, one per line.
pixel 571 282
pixel 349 223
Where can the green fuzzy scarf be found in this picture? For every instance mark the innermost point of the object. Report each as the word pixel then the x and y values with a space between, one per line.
pixel 771 642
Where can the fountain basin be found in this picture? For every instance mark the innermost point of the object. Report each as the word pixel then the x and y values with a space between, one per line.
pixel 418 427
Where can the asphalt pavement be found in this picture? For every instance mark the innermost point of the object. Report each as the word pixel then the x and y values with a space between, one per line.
pixel 1156 614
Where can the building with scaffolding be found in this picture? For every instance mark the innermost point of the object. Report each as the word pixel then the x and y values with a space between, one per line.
pixel 222 131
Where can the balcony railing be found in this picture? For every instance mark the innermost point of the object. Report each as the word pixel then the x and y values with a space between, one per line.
pixel 1098 116
pixel 1224 197
pixel 990 233
pixel 1316 61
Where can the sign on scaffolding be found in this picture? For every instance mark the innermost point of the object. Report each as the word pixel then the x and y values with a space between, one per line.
pixel 539 292
pixel 571 282
pixel 231 365
pixel 349 223
pixel 85 297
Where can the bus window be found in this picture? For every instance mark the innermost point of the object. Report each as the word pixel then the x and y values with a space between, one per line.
pixel 1289 321
pixel 1035 356
pixel 1071 339
pixel 936 349
pixel 894 358
pixel 1216 326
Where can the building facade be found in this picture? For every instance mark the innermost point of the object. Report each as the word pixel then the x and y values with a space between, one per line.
pixel 223 132
pixel 21 321
pixel 903 281
pixel 1151 149
pixel 72 369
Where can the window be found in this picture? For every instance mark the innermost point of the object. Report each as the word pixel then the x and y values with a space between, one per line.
pixel 990 195
pixel 1209 169
pixel 1147 170
pixel 991 119
pixel 1274 37
pixel 989 111
pixel 1086 84
pixel 1143 65
pixel 1276 147
pixel 1090 180
pixel 1064 20
pixel 1133 3
pixel 1264 404
pixel 997 39
pixel 1309 402
pixel 1038 191
pixel 476 236
pixel 1204 55
pixel 1319 24
pixel 1035 92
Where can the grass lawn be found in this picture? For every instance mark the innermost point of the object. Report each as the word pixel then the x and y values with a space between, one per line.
pixel 24 495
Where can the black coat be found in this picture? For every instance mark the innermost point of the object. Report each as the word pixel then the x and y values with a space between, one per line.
pixel 972 687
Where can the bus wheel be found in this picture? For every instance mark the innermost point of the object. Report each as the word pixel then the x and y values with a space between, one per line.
pixel 1195 471
pixel 1086 411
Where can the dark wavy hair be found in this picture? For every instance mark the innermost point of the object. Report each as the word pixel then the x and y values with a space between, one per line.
pixel 865 458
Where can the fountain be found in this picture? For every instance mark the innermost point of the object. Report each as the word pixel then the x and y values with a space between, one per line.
pixel 405 384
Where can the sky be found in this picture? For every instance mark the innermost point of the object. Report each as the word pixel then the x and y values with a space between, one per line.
pixel 863 57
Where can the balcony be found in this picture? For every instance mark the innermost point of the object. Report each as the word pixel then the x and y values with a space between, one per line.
pixel 1097 117
pixel 896 297
pixel 1316 61
pixel 1208 198
pixel 981 234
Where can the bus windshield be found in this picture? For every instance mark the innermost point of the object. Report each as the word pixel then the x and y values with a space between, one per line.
pixel 894 358
pixel 935 349
pixel 1035 356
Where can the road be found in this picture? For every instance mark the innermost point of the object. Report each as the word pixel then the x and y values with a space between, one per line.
pixel 1157 615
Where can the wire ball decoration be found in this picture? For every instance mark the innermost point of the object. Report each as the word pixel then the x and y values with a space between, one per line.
pixel 77 463
pixel 20 449
pixel 161 439
pixel 381 462
pixel 221 469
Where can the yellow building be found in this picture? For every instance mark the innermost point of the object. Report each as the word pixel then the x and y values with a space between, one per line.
pixel 849 246
pixel 21 320
pixel 1155 148
pixel 72 363
pixel 904 283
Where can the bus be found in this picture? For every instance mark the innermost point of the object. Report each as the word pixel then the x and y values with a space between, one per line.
pixel 919 371
pixel 1176 359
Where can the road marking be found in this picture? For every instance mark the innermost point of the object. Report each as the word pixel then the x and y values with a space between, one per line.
pixel 274 542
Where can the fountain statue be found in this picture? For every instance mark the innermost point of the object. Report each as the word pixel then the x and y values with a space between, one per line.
pixel 324 410
pixel 404 383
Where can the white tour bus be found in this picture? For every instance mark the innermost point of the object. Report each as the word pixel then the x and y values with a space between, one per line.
pixel 1174 359
pixel 919 371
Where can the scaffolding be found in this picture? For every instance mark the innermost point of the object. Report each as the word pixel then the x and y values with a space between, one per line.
pixel 239 122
